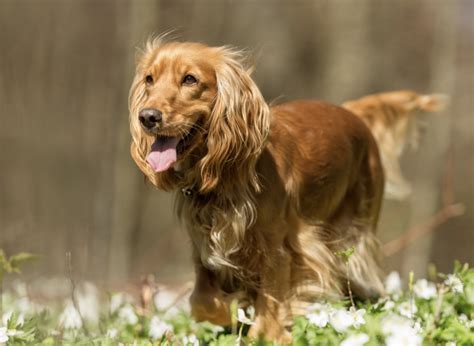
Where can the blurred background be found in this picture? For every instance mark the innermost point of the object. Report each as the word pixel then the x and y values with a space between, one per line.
pixel 67 182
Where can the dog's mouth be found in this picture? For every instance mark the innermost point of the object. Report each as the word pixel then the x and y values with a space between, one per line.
pixel 166 149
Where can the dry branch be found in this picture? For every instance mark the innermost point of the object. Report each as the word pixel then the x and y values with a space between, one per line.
pixel 443 215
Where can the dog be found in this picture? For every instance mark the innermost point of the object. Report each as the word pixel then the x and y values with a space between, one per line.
pixel 268 195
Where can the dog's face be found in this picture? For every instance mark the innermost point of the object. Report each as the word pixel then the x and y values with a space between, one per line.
pixel 179 84
pixel 195 109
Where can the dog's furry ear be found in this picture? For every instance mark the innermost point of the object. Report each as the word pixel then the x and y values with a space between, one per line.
pixel 237 128
pixel 141 143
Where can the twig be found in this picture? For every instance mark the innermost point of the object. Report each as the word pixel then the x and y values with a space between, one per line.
pixel 180 295
pixel 446 213
pixel 73 292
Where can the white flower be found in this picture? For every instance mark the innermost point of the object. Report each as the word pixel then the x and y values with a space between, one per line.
pixel 116 301
pixel 242 318
pixel 191 339
pixel 88 301
pixel 393 283
pixel 158 328
pixel 392 323
pixel 112 333
pixel 320 307
pixel 126 313
pixel 358 316
pixel 454 283
pixel 355 340
pixel 407 309
pixel 250 312
pixel 417 326
pixel 466 321
pixel 319 319
pixel 3 335
pixel 389 305
pixel 70 317
pixel 424 289
pixel 450 343
pixel 403 338
pixel 341 319
pixel 400 332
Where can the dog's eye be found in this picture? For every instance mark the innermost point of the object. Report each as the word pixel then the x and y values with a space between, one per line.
pixel 149 79
pixel 189 79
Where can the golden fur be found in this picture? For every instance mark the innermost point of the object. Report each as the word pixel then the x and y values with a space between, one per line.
pixel 392 118
pixel 270 193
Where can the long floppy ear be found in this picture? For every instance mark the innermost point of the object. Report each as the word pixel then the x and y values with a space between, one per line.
pixel 141 143
pixel 237 129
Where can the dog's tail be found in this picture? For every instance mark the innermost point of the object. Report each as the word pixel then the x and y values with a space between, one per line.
pixel 392 118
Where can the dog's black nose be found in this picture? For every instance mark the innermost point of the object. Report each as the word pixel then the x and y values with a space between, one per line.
pixel 150 117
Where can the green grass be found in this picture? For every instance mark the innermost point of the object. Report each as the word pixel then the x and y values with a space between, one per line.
pixel 425 313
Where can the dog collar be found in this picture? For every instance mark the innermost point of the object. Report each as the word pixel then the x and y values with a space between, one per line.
pixel 188 191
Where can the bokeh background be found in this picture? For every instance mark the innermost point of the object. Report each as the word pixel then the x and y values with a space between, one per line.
pixel 67 182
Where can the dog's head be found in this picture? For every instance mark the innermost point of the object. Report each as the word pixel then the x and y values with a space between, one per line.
pixel 195 108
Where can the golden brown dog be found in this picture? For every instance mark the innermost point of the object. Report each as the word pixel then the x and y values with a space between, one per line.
pixel 268 195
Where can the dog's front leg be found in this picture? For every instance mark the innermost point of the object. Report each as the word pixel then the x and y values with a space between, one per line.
pixel 208 301
pixel 271 305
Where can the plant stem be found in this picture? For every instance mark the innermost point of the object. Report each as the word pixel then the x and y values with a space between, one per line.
pixel 73 292
pixel 349 285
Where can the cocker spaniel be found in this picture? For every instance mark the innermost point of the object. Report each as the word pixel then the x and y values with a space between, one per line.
pixel 268 195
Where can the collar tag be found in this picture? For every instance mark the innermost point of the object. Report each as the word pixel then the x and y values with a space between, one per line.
pixel 187 191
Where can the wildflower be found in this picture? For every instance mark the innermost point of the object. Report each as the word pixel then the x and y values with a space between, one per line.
pixel 116 301
pixel 158 328
pixel 70 317
pixel 251 312
pixel 112 333
pixel 389 305
pixel 393 283
pixel 464 320
pixel 242 318
pixel 3 335
pixel 341 319
pixel 191 339
pixel 424 289
pixel 392 323
pixel 355 340
pixel 454 283
pixel 319 319
pixel 407 309
pixel 400 332
pixel 320 307
pixel 450 343
pixel 404 337
pixel 358 316
pixel 126 313
pixel 88 301
pixel 417 326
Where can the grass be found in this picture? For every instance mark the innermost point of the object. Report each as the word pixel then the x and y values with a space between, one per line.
pixel 437 312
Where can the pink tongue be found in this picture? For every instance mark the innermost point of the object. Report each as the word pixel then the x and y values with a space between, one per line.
pixel 163 153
